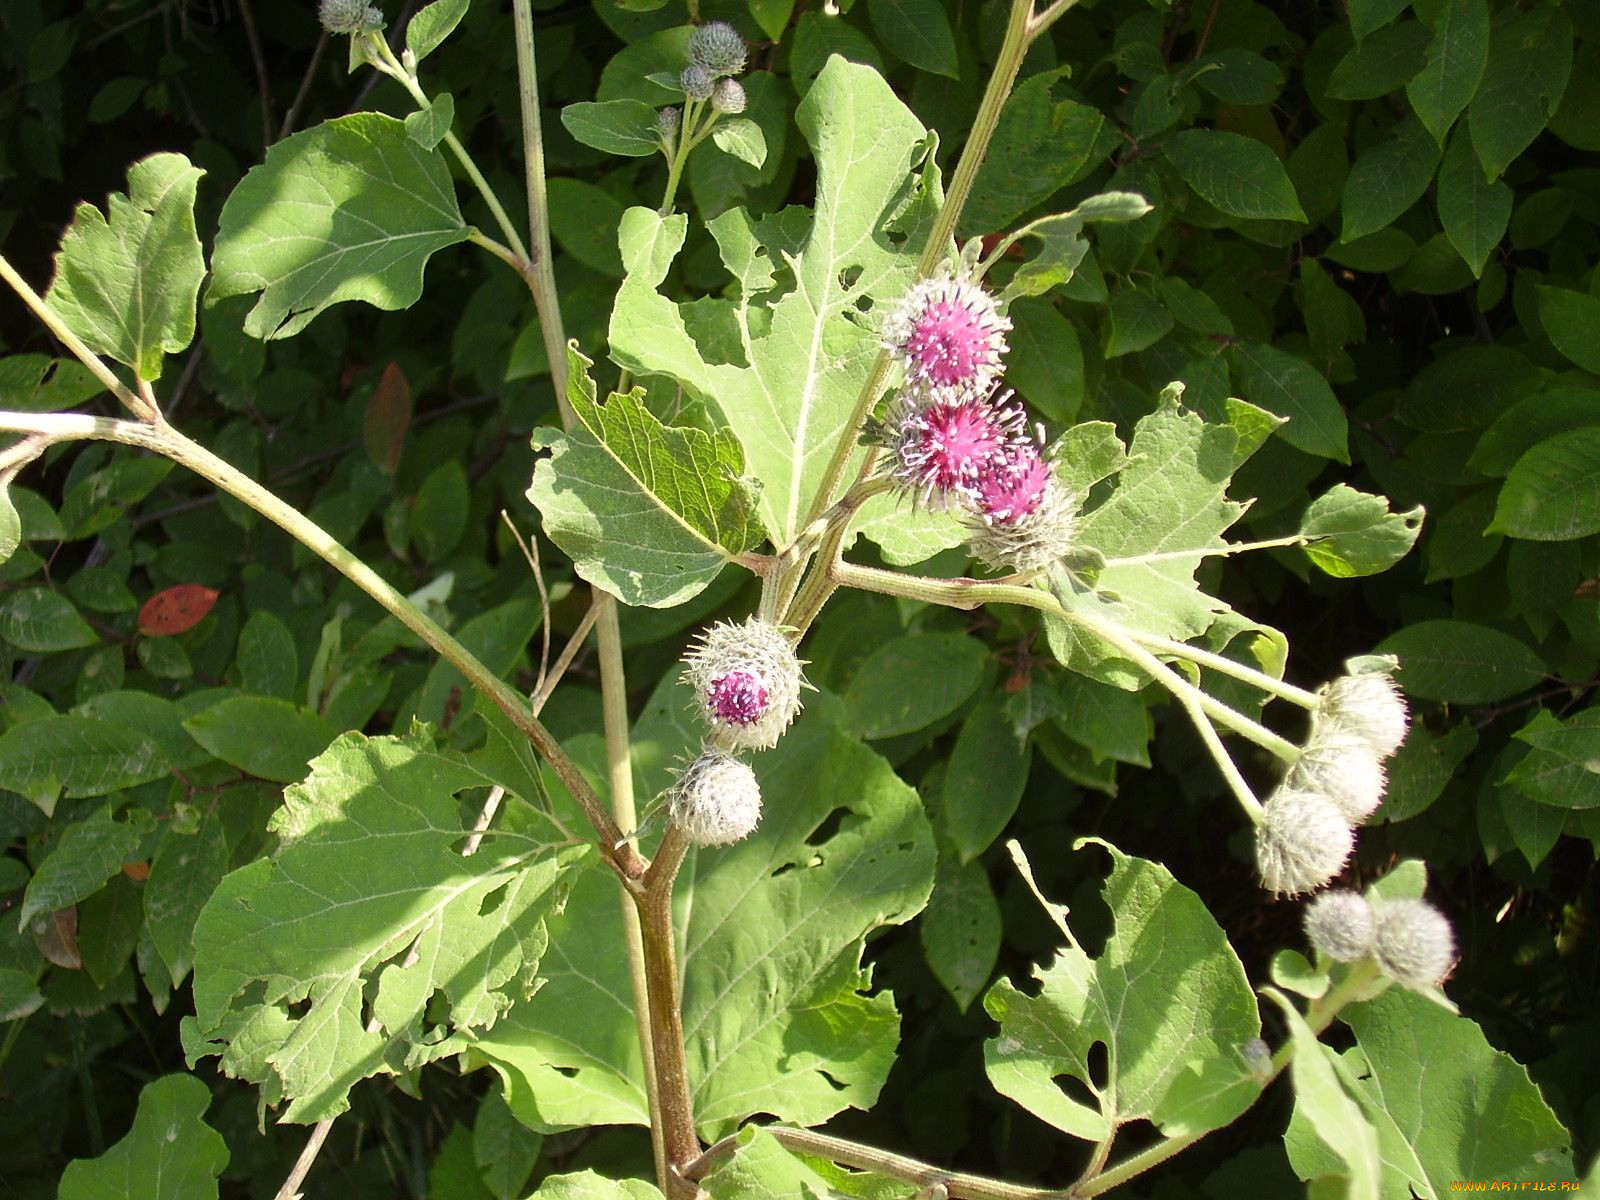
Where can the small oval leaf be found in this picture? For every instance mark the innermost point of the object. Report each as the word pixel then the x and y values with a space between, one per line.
pixel 176 609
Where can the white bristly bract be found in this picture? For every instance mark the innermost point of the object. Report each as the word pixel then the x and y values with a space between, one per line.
pixel 1341 765
pixel 1340 925
pixel 717 799
pixel 718 48
pixel 349 16
pixel 1413 942
pixel 1368 705
pixel 1302 842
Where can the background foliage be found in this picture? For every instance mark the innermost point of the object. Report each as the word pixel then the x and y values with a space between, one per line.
pixel 1379 222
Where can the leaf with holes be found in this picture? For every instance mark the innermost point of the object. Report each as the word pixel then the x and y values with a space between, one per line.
pixel 366 944
pixel 789 388
pixel 776 1010
pixel 1166 1001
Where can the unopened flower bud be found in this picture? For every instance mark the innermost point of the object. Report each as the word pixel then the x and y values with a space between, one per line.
pixel 746 682
pixel 728 96
pixel 718 48
pixel 1341 765
pixel 348 16
pixel 1340 925
pixel 696 82
pixel 1413 942
pixel 1368 705
pixel 716 800
pixel 1301 843
pixel 667 121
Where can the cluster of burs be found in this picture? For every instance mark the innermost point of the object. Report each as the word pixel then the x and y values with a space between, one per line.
pixel 716 54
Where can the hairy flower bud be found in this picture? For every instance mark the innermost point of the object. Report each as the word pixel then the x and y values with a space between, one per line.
pixel 746 682
pixel 1369 706
pixel 1341 765
pixel 696 82
pixel 1340 925
pixel 716 800
pixel 1022 518
pixel 667 121
pixel 728 96
pixel 1413 942
pixel 718 48
pixel 948 332
pixel 1301 843
pixel 348 16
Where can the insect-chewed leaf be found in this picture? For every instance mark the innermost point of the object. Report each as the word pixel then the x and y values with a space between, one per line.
pixel 799 289
pixel 776 1013
pixel 1174 1060
pixel 367 944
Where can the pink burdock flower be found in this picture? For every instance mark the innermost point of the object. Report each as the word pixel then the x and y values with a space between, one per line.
pixel 942 446
pixel 737 698
pixel 746 682
pixel 949 333
pixel 1022 518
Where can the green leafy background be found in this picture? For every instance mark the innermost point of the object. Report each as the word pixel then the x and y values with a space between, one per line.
pixel 1379 224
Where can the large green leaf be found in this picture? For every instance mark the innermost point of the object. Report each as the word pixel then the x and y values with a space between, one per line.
pixel 1234 174
pixel 86 854
pixel 775 1006
pixel 646 511
pixel 1562 766
pixel 1326 1110
pixel 804 359
pixel 42 620
pixel 1453 64
pixel 961 930
pixel 984 777
pixel 1167 1001
pixel 1388 178
pixel 909 682
pixel 1447 1105
pixel 1352 533
pixel 1169 506
pixel 1461 662
pixel 1474 211
pixel 349 210
pixel 1287 385
pixel 917 31
pixel 1553 492
pixel 169 1154
pixel 1571 321
pixel 367 944
pixel 77 756
pixel 1530 62
pixel 586 1185
pixel 262 735
pixel 127 285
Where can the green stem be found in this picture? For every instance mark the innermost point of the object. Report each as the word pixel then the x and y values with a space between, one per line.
pixel 1227 666
pixel 384 60
pixel 619 770
pixel 880 1162
pixel 1019 34
pixel 1210 551
pixel 131 400
pixel 675 1116
pixel 800 605
pixel 161 438
pixel 546 300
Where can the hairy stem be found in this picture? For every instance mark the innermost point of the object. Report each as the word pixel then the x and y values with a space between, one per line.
pixel 164 440
pixel 674 1115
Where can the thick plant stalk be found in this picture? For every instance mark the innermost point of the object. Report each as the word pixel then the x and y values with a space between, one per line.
pixel 164 440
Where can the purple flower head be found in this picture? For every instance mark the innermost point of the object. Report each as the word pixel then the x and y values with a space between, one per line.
pixel 941 446
pixel 737 698
pixel 1015 488
pixel 949 334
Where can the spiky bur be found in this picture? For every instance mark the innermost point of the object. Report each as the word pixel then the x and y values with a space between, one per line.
pixel 1341 925
pixel 1021 517
pixel 716 800
pixel 1369 706
pixel 696 82
pixel 1302 842
pixel 667 122
pixel 949 333
pixel 728 96
pixel 1341 765
pixel 1413 943
pixel 941 447
pixel 349 16
pixel 746 682
pixel 717 47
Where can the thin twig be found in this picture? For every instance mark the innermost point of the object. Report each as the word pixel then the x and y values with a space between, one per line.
pixel 293 115
pixel 568 653
pixel 302 1165
pixel 263 83
pixel 544 599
